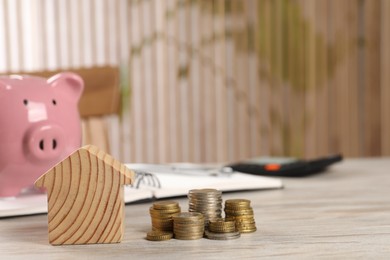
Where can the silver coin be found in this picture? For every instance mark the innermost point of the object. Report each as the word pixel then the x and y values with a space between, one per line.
pixel 222 236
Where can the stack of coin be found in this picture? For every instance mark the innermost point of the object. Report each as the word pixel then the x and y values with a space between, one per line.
pixel 222 229
pixel 241 212
pixel 161 213
pixel 157 235
pixel 188 225
pixel 206 201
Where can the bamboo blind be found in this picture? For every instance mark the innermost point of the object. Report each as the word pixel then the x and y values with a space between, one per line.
pixel 221 80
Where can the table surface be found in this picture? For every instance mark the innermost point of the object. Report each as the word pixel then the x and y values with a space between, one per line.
pixel 343 213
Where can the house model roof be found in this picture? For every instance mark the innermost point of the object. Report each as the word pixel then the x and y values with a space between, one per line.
pixel 85 198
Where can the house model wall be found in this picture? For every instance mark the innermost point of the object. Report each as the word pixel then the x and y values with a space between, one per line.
pixel 85 198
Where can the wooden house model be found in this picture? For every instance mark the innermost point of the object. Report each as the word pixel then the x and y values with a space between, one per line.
pixel 85 198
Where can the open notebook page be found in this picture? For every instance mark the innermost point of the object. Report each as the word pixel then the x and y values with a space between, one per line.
pixel 159 182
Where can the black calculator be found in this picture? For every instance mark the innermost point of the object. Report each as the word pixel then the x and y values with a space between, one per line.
pixel 285 167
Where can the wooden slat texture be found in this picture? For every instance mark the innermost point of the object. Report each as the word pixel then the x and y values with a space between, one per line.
pixel 195 77
pixel 137 112
pixel 223 80
pixel 294 142
pixel 145 88
pixel 231 110
pixel 354 128
pixel 148 75
pixel 311 114
pixel 240 37
pixel 220 102
pixel 263 54
pixel 339 89
pixel 321 74
pixel 97 132
pixel 385 77
pixel 207 53
pixel 183 91
pixel 280 98
pixel 372 94
pixel 333 103
pixel 254 79
pixel 6 31
pixel 125 45
pixel 172 60
pixel 160 10
pixel 19 32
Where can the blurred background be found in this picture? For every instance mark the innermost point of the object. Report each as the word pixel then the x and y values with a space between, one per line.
pixel 215 81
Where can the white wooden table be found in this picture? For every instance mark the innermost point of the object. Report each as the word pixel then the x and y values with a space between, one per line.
pixel 344 213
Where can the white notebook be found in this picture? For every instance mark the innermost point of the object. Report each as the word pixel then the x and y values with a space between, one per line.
pixel 156 182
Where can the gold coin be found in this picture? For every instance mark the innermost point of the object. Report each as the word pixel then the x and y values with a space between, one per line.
pixel 163 211
pixel 165 205
pixel 165 226
pixel 245 222
pixel 189 228
pixel 162 228
pixel 239 217
pixel 158 225
pixel 221 222
pixel 166 229
pixel 221 226
pixel 189 237
pixel 155 235
pixel 247 230
pixel 222 230
pixel 239 212
pixel 246 227
pixel 163 214
pixel 187 216
pixel 163 219
pixel 188 223
pixel 237 206
pixel 186 233
pixel 237 202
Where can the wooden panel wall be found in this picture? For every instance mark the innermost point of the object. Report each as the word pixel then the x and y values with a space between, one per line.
pixel 221 80
pixel 272 77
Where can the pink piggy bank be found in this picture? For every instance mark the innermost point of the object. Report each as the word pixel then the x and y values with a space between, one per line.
pixel 39 127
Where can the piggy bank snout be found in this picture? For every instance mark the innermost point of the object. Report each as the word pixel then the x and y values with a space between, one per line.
pixel 44 142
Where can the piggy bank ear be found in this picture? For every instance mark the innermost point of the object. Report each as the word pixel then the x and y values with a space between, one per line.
pixel 68 83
